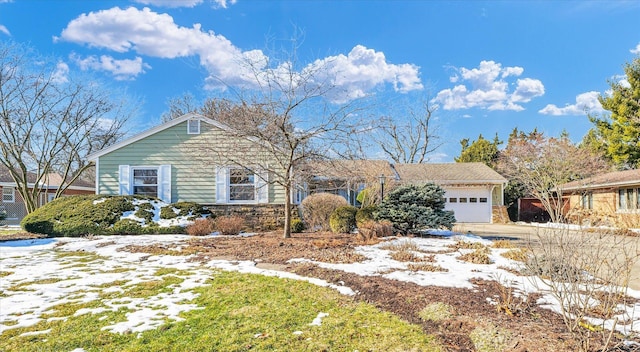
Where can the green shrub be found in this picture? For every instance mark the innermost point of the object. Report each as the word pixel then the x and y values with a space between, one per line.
pixel 343 219
pixel 366 197
pixel 297 225
pixel 127 227
pixel 167 212
pixel 413 208
pixel 3 214
pixel 145 211
pixel 318 207
pixel 99 215
pixel 365 214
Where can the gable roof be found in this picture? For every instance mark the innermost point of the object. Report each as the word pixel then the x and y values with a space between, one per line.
pixel 449 173
pixel 609 179
pixel 154 130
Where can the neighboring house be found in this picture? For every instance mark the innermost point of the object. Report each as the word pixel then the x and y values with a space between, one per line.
pixel 13 204
pixel 189 159
pixel 474 191
pixel 347 178
pixel 612 198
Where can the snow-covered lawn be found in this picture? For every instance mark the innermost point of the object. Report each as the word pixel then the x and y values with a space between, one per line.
pixel 36 275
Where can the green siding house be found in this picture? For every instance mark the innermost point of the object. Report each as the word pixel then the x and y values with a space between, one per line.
pixel 191 158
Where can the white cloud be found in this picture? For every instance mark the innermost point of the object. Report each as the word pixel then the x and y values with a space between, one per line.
pixel 185 3
pixel 585 103
pixel 4 30
pixel 146 32
pixel 486 87
pixel 121 69
pixel 636 50
pixel 61 74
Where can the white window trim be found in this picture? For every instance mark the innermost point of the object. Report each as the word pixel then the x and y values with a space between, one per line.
pixel 223 187
pixel 189 125
pixel 126 184
pixel 13 194
pixel 255 188
pixel 132 178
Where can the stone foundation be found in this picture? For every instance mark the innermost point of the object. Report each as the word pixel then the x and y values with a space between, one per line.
pixel 258 217
pixel 499 215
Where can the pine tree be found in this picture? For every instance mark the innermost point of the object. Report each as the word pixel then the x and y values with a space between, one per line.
pixel 618 134
pixel 413 208
pixel 481 150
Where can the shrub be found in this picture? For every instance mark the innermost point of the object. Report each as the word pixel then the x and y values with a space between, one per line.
pixel 413 208
pixel 168 212
pixel 318 207
pixel 366 197
pixel 372 229
pixel 343 219
pixel 94 214
pixel 145 211
pixel 229 225
pixel 127 227
pixel 3 214
pixel 365 214
pixel 191 209
pixel 200 227
pixel 297 225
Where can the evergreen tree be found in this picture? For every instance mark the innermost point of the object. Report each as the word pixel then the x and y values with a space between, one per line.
pixel 618 134
pixel 413 208
pixel 481 150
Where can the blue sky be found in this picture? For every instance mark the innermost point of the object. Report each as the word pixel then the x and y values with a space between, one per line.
pixel 490 66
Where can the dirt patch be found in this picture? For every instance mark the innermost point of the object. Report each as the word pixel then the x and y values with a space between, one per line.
pixel 20 236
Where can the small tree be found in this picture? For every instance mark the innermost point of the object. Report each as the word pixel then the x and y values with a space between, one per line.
pixel 413 208
pixel 542 165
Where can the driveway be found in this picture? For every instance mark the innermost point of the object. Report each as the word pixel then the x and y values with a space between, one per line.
pixel 522 234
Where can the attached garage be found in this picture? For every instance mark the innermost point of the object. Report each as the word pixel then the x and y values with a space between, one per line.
pixel 472 190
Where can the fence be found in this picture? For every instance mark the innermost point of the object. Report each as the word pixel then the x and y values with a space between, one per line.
pixel 15 213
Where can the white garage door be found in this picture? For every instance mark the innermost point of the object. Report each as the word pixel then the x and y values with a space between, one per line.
pixel 469 204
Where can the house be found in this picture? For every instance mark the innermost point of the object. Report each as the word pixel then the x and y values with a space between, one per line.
pixel 13 204
pixel 611 198
pixel 347 178
pixel 473 191
pixel 194 159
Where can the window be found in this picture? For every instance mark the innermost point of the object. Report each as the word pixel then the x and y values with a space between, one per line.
pixel 193 127
pixel 587 201
pixel 463 200
pixel 453 200
pixel 483 200
pixel 8 195
pixel 242 185
pixel 473 200
pixel 629 198
pixel 145 181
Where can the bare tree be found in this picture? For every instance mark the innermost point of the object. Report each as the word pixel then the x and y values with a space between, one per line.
pixel 413 139
pixel 543 165
pixel 588 273
pixel 49 121
pixel 291 116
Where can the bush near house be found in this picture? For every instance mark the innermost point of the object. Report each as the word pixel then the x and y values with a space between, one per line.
pixel 365 214
pixel 102 215
pixel 413 208
pixel 297 225
pixel 343 219
pixel 317 208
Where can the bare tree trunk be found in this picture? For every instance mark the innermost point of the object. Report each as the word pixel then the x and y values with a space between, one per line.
pixel 286 233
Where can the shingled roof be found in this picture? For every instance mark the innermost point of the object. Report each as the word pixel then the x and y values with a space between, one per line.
pixel 609 179
pixel 449 173
pixel 52 180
